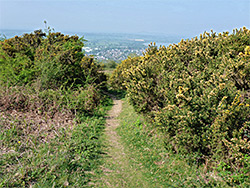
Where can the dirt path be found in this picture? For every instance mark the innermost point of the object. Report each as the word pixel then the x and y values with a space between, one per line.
pixel 118 171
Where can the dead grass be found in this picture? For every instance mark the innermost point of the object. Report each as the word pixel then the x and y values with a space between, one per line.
pixel 32 115
pixel 30 125
pixel 43 141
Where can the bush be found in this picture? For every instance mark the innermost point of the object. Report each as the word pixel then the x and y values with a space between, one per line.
pixel 53 59
pixel 50 111
pixel 119 75
pixel 197 92
pixel 111 64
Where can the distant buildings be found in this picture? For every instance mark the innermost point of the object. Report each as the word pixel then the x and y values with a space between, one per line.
pixel 116 54
pixel 86 49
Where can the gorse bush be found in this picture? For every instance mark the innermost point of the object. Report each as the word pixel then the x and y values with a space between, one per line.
pixel 197 92
pixel 119 75
pixel 52 64
pixel 53 59
pixel 52 110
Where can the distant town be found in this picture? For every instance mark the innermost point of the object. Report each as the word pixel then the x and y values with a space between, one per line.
pixel 118 47
pixel 104 53
pixel 111 46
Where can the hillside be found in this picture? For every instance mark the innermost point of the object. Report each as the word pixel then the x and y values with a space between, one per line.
pixel 180 115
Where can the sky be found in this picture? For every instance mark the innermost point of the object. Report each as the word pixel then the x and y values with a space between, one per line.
pixel 163 17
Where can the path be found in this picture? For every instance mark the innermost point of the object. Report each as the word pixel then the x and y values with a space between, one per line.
pixel 118 171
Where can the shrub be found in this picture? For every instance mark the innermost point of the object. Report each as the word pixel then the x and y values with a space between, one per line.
pixel 119 75
pixel 51 113
pixel 111 64
pixel 197 92
pixel 53 59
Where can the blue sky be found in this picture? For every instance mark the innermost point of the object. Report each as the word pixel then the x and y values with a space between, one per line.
pixel 168 17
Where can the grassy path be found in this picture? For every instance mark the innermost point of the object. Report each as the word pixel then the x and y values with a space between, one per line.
pixel 136 156
pixel 118 171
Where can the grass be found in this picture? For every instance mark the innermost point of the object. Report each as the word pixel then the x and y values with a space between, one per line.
pixel 117 169
pixel 52 112
pixel 63 161
pixel 55 147
pixel 44 143
pixel 160 167
pixel 108 71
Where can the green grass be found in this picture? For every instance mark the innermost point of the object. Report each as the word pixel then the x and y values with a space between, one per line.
pixel 44 143
pixel 52 112
pixel 117 168
pixel 160 167
pixel 108 71
pixel 64 160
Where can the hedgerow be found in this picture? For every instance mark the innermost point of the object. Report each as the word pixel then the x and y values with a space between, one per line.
pixel 198 93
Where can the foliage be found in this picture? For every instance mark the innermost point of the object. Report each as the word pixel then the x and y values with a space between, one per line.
pixel 60 156
pixel 111 64
pixel 51 111
pixel 119 75
pixel 54 59
pixel 197 92
pixel 147 152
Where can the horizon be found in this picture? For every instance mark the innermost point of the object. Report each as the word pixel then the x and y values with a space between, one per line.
pixel 158 17
pixel 89 36
pixel 88 32
pixel 82 33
